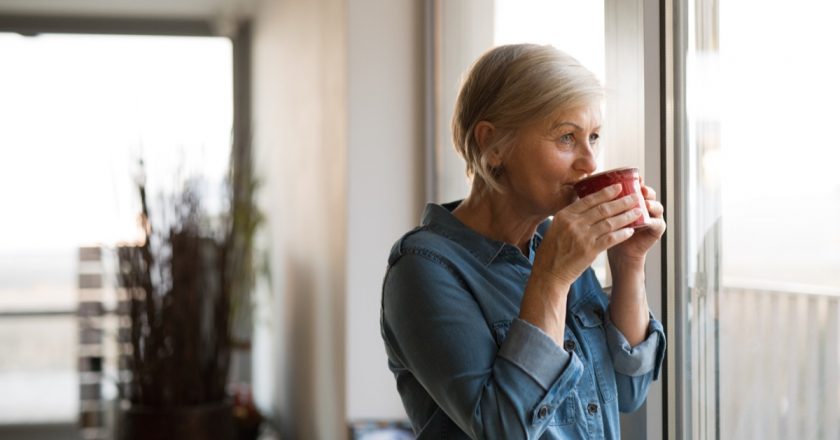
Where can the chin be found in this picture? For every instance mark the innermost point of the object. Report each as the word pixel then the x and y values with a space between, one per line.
pixel 559 203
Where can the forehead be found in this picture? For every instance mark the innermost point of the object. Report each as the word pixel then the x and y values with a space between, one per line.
pixel 585 117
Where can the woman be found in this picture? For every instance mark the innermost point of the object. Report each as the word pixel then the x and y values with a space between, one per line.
pixel 494 324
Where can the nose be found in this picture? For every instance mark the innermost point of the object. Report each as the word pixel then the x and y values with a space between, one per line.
pixel 585 160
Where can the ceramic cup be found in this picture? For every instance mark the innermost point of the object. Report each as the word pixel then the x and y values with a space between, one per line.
pixel 630 184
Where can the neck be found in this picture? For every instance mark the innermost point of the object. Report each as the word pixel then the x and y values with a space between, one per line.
pixel 497 216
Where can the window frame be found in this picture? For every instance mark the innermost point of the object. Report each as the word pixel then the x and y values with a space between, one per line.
pixel 640 27
pixel 677 414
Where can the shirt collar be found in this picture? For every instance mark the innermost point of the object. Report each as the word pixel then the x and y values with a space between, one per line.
pixel 439 218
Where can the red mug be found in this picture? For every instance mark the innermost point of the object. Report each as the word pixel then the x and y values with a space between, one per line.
pixel 631 183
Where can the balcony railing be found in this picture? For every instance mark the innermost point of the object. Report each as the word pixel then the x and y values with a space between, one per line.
pixel 779 362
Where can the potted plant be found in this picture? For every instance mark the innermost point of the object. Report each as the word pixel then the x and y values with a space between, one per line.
pixel 182 285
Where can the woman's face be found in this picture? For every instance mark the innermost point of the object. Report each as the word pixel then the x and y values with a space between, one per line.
pixel 546 159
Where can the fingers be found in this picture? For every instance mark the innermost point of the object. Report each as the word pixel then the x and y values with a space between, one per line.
pixel 595 199
pixel 613 238
pixel 600 219
pixel 611 209
pixel 617 222
pixel 655 228
pixel 655 209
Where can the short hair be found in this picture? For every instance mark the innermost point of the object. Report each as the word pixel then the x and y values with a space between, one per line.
pixel 513 85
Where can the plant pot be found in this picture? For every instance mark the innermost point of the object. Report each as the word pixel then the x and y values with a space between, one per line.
pixel 200 422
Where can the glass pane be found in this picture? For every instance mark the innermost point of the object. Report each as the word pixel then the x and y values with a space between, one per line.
pixel 77 113
pixel 702 201
pixel 763 199
pixel 780 297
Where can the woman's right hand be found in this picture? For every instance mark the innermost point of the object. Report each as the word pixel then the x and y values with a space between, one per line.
pixel 581 231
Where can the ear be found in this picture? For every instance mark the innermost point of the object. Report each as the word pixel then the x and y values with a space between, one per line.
pixel 484 133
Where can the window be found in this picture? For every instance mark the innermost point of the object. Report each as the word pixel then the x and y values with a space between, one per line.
pixel 76 114
pixel 760 301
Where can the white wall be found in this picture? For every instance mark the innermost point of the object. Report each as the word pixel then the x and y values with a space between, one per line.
pixel 385 169
pixel 300 144
pixel 338 117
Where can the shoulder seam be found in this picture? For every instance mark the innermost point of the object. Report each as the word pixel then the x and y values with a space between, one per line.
pixel 433 257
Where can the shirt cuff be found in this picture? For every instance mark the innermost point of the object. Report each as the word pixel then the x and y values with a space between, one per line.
pixel 533 351
pixel 641 359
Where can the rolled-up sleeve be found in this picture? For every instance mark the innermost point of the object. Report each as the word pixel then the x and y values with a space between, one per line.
pixel 436 329
pixel 635 366
pixel 534 352
pixel 537 355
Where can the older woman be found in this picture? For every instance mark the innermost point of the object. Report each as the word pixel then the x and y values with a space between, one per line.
pixel 494 323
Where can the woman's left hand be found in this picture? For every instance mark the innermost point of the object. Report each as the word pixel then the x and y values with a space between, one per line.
pixel 634 249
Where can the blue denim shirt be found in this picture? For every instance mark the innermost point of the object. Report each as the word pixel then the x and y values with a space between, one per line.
pixel 467 367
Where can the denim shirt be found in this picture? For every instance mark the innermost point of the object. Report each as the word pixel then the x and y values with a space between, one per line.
pixel 467 367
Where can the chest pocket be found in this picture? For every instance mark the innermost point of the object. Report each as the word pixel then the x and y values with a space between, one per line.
pixel 590 318
pixel 500 331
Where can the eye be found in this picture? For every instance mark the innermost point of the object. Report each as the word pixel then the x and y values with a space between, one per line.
pixel 593 138
pixel 567 139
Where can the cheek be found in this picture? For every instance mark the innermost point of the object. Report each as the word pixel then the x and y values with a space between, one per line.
pixel 544 176
pixel 555 173
pixel 550 190
pixel 566 196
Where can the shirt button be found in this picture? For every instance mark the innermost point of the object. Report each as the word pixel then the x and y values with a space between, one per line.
pixel 569 345
pixel 592 408
pixel 543 412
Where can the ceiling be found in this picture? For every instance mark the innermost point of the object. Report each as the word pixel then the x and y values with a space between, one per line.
pixel 173 9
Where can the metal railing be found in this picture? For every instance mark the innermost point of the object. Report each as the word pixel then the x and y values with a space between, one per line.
pixel 779 362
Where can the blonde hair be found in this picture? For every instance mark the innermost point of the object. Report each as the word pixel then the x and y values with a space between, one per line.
pixel 510 86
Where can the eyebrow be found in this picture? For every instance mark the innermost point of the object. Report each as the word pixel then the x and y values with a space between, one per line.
pixel 557 125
